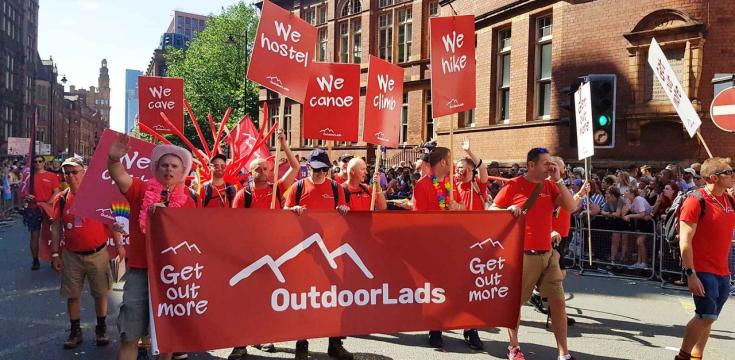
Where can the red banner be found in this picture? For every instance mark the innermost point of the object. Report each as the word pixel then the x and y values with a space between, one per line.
pixel 243 138
pixel 161 94
pixel 98 197
pixel 452 64
pixel 383 103
pixel 332 106
pixel 282 52
pixel 357 274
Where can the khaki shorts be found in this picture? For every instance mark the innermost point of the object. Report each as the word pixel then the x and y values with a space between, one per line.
pixel 95 267
pixel 132 322
pixel 543 271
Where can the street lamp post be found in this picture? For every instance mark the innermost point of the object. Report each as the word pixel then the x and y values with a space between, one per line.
pixel 231 41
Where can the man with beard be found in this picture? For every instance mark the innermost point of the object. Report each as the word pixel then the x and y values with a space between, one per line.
pixel 217 193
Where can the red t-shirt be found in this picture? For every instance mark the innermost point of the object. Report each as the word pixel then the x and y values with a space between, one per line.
pixel 313 196
pixel 80 233
pixel 538 219
pixel 219 196
pixel 136 249
pixel 360 197
pixel 43 186
pixel 713 238
pixel 465 193
pixel 261 198
pixel 338 178
pixel 425 196
pixel 562 222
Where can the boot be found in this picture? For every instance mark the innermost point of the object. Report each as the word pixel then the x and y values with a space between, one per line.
pixel 75 338
pixel 472 338
pixel 100 332
pixel 238 353
pixel 337 351
pixel 302 350
pixel 36 264
pixel 435 339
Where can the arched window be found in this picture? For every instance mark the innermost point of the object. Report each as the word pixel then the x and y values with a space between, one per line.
pixel 351 7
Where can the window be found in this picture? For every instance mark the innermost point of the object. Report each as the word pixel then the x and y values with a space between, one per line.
pixel 433 8
pixel 287 123
pixel 652 90
pixel 385 37
pixel 272 120
pixel 543 66
pixel 466 119
pixel 321 17
pixel 403 136
pixel 430 130
pixel 351 7
pixel 310 16
pixel 350 37
pixel 386 3
pixel 404 35
pixel 321 51
pixel 503 101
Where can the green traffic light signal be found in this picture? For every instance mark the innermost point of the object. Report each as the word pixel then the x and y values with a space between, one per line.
pixel 603 120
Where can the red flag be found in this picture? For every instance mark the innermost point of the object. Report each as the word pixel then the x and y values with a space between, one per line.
pixel 242 139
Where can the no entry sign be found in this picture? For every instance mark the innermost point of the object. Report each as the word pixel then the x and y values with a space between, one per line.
pixel 722 110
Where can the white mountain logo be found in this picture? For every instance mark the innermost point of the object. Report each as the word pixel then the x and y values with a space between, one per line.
pixel 381 136
pixel 454 103
pixel 106 213
pixel 275 81
pixel 295 251
pixel 159 127
pixel 183 243
pixel 329 132
pixel 488 240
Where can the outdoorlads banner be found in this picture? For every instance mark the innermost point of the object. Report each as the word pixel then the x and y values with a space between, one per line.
pixel 282 52
pixel 332 105
pixel 452 64
pixel 255 276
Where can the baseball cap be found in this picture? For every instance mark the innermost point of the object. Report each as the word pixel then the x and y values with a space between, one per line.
pixel 346 158
pixel 73 161
pixel 318 159
pixel 691 171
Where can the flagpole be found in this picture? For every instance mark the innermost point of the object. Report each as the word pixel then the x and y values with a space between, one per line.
pixel 589 207
pixel 451 159
pixel 281 110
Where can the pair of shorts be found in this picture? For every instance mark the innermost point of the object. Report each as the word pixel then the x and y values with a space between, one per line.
pixel 132 322
pixel 33 218
pixel 643 226
pixel 95 267
pixel 716 291
pixel 542 270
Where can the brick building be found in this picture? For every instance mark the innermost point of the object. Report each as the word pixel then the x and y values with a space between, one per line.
pixel 52 129
pixel 528 54
pixel 18 55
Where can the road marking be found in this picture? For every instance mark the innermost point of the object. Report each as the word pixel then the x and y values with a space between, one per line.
pixel 672 349
pixel 687 305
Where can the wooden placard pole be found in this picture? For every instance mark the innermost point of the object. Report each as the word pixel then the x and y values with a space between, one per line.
pixel 699 135
pixel 451 159
pixel 376 183
pixel 281 110
pixel 589 207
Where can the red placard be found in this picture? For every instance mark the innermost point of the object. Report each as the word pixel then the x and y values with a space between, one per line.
pixel 383 103
pixel 98 197
pixel 161 94
pixel 354 274
pixel 332 105
pixel 282 52
pixel 452 64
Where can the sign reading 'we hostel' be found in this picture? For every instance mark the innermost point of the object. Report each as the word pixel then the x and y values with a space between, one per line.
pixel 282 52
pixel 452 64
pixel 351 275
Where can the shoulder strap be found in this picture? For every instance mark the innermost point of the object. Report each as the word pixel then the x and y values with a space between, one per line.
pixel 698 194
pixel 207 194
pixel 299 191
pixel 248 197
pixel 62 202
pixel 335 192
pixel 230 192
pixel 534 196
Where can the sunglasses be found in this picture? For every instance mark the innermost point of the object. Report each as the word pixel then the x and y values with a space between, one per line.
pixel 321 170
pixel 724 172
pixel 38 161
pixel 72 172
pixel 217 165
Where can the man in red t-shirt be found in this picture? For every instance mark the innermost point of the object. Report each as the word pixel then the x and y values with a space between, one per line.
pixel 361 194
pixel 705 239
pixel 170 164
pixel 45 186
pixel 471 180
pixel 341 177
pixel 540 261
pixel 431 193
pixel 217 193
pixel 259 193
pixel 85 255
pixel 318 191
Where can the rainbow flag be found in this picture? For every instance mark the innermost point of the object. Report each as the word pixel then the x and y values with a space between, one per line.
pixel 121 209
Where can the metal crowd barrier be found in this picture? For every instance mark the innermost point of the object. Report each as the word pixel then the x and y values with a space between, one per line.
pixel 601 250
pixel 670 264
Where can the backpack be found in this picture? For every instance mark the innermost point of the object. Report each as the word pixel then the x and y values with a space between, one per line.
pixel 249 196
pixel 363 189
pixel 335 192
pixel 670 228
pixel 229 193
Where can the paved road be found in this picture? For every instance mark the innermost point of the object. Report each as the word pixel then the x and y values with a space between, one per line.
pixel 616 319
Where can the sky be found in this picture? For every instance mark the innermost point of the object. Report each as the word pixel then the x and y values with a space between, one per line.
pixel 78 34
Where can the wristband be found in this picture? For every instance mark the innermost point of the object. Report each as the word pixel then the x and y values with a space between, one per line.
pixel 477 166
pixel 54 255
pixel 560 181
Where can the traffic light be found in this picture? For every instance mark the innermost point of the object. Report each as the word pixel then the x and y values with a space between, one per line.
pixel 602 90
pixel 568 105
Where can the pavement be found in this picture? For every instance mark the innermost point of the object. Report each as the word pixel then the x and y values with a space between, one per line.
pixel 616 319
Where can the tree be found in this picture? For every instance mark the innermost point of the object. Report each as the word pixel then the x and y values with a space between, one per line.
pixel 214 67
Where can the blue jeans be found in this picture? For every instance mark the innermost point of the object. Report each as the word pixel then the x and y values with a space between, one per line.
pixel 716 291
